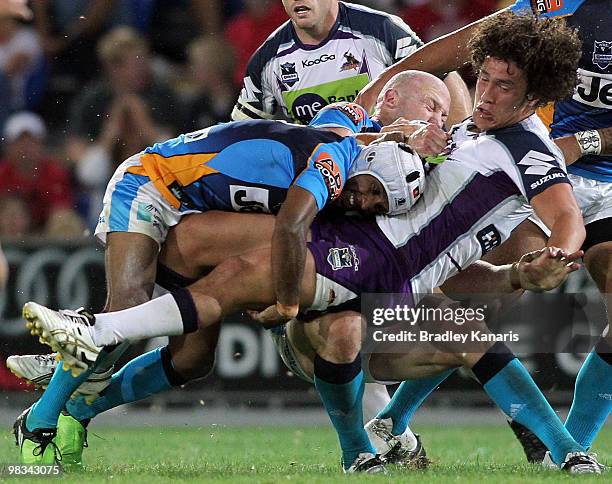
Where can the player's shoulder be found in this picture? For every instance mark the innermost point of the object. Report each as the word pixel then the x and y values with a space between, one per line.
pixel 525 140
pixel 369 20
pixel 275 43
pixel 342 115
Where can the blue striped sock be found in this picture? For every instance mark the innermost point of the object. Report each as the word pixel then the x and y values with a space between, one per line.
pixel 515 392
pixel 140 378
pixel 46 410
pixel 408 398
pixel 592 400
pixel 341 389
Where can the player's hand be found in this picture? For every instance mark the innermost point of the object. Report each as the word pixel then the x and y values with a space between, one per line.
pixel 404 126
pixel 396 136
pixel 429 140
pixel 274 315
pixel 546 269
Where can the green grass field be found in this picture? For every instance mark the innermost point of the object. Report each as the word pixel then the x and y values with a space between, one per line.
pixel 303 455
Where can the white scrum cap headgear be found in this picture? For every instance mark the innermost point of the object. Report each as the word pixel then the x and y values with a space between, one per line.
pixel 398 168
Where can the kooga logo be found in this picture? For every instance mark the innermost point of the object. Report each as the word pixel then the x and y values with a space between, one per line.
pixel 320 60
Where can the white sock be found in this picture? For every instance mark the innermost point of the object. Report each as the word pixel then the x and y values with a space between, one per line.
pixel 375 398
pixel 158 317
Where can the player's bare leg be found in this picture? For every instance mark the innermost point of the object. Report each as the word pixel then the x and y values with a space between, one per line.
pixel 329 347
pixel 242 282
pixel 130 263
pixel 204 240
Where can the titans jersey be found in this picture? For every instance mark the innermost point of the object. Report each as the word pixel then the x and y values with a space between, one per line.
pixel 591 105
pixel 346 115
pixel 289 80
pixel 248 166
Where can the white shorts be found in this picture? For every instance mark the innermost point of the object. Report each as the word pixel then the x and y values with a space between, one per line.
pixel 594 199
pixel 132 203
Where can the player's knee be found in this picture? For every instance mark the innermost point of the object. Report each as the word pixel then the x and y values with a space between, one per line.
pixel 343 341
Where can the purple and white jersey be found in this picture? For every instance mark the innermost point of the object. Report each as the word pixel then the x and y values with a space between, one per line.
pixel 471 204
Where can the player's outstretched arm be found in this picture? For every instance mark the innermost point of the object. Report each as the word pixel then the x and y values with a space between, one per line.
pixel 289 254
pixel 541 270
pixel 557 208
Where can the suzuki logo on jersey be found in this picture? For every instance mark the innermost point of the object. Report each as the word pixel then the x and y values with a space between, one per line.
pixel 331 174
pixel 602 54
pixel 594 89
pixel 288 74
pixel 547 178
pixel 489 238
pixel 249 199
pixel 543 6
pixel 320 60
pixel 537 163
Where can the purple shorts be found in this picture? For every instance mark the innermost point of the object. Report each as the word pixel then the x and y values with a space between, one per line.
pixel 354 253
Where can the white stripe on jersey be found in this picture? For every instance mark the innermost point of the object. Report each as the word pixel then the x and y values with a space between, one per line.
pixel 465 250
pixel 405 47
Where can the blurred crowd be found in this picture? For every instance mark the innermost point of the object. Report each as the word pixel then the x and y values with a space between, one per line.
pixel 88 83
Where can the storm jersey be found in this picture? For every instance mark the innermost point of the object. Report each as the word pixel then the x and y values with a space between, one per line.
pixel 248 166
pixel 591 105
pixel 286 79
pixel 472 203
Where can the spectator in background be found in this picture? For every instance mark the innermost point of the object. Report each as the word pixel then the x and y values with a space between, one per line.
pixel 175 23
pixel 69 31
pixel 250 28
pixel 209 93
pixel 119 114
pixel 20 55
pixel 15 217
pixel 36 189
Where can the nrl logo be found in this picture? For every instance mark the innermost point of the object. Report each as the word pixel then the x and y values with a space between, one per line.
pixel 602 54
pixel 351 62
pixel 342 258
pixel 288 74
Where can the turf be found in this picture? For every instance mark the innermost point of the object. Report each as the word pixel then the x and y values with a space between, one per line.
pixel 301 455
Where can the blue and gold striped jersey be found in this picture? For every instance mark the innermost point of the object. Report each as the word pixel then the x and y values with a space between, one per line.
pixel 248 166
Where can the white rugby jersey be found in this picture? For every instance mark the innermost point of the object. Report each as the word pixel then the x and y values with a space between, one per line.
pixel 473 200
pixel 286 79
